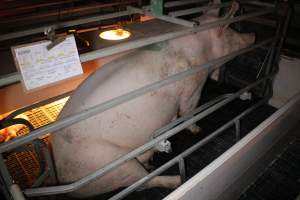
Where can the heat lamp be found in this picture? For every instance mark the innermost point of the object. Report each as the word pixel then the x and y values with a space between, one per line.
pixel 116 34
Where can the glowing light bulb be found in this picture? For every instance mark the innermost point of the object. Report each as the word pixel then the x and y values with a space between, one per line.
pixel 117 34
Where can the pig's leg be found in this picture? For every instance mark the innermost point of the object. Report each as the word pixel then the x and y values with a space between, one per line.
pixel 136 171
pixel 163 181
pixel 144 159
pixel 190 98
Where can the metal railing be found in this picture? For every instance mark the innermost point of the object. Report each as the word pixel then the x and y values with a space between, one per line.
pixel 165 132
pixel 67 121
pixel 146 41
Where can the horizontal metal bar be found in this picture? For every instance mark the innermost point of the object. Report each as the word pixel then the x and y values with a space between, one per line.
pixel 10 79
pixel 184 154
pixel 198 9
pixel 64 25
pixel 263 21
pixel 109 167
pixel 63 11
pixel 163 17
pixel 16 192
pixel 181 3
pixel 147 41
pixel 259 3
pixel 121 99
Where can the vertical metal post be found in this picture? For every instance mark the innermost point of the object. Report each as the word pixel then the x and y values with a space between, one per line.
pixel 157 7
pixel 16 192
pixel 182 170
pixel 237 124
pixel 284 14
pixel 8 182
pixel 285 18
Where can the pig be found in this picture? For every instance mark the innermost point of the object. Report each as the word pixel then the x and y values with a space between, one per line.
pixel 89 145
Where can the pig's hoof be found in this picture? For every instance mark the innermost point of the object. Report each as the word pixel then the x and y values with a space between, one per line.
pixel 194 129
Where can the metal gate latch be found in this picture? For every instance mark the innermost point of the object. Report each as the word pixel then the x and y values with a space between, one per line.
pixel 55 39
pixel 164 146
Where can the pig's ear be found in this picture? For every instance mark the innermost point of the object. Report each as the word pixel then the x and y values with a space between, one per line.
pixel 214 12
pixel 230 14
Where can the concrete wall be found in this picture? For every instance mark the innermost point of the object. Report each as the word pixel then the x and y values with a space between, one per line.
pixel 287 81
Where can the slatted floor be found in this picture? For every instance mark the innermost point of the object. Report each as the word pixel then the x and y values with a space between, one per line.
pixel 281 179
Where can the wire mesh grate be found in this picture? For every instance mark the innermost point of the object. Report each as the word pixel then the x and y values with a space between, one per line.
pixel 24 166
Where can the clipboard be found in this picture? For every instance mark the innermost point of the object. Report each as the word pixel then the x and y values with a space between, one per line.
pixel 41 68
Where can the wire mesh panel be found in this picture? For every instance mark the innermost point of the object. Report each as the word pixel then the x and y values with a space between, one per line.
pixel 24 166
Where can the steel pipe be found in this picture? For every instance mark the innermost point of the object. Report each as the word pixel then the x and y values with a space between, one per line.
pixel 237 124
pixel 121 99
pixel 184 154
pixel 163 17
pixel 259 3
pixel 198 9
pixel 171 4
pixel 10 79
pixel 182 170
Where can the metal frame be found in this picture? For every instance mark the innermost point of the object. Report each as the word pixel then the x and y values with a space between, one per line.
pixel 228 176
pixel 171 4
pixel 147 41
pixel 165 132
pixel 198 9
pixel 65 24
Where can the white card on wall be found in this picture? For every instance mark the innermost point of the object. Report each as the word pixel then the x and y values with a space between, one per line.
pixel 40 67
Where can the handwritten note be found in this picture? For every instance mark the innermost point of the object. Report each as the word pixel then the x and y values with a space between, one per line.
pixel 40 67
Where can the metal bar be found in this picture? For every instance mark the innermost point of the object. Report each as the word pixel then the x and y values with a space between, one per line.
pixel 39 181
pixel 10 79
pixel 263 21
pixel 109 167
pixel 119 100
pixel 182 170
pixel 156 7
pixel 16 192
pixel 4 171
pixel 155 39
pixel 198 9
pixel 8 11
pixel 151 40
pixel 61 12
pixel 259 3
pixel 237 124
pixel 283 32
pixel 181 3
pixel 163 17
pixel 8 182
pixel 184 154
pixel 64 25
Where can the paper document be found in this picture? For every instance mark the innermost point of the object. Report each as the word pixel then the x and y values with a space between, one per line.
pixel 40 67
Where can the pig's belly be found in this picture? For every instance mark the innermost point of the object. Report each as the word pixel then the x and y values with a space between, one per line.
pixel 89 160
pixel 92 143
